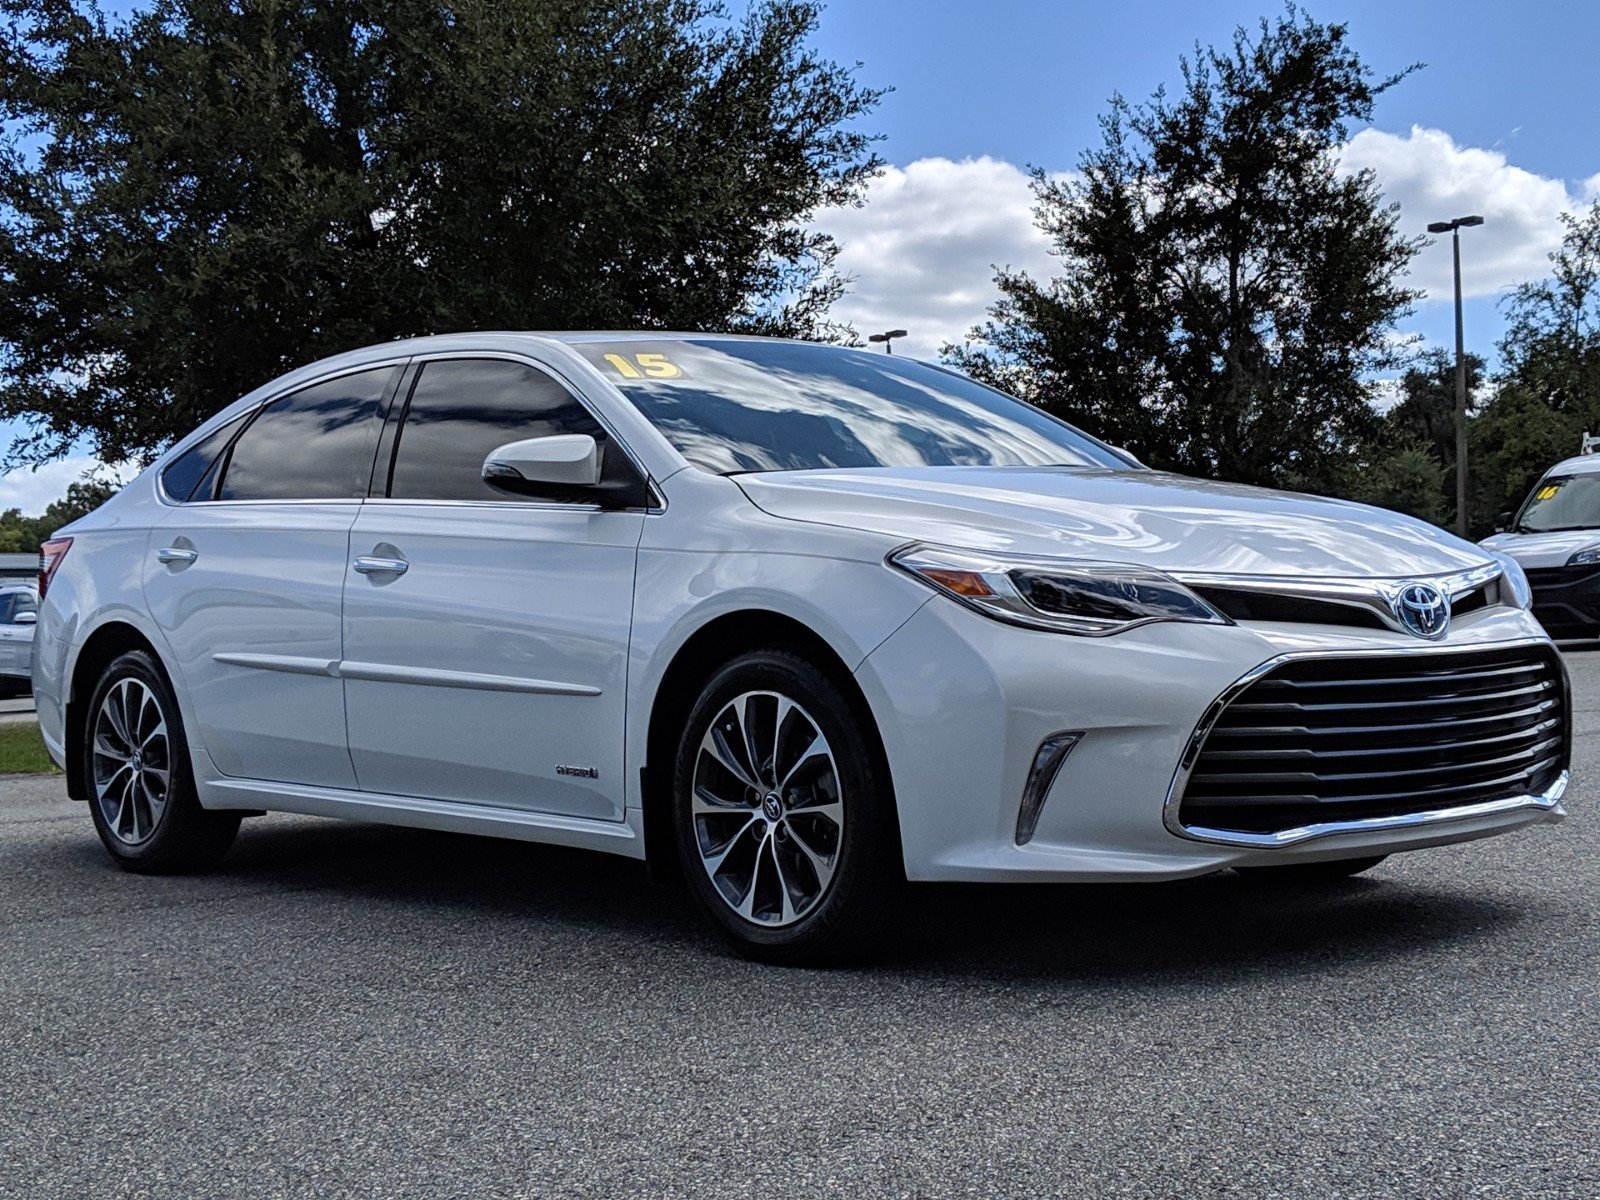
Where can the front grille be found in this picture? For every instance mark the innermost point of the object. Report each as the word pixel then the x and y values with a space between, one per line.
pixel 1543 577
pixel 1254 604
pixel 1379 735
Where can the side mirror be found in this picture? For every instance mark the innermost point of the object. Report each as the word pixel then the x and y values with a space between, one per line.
pixel 1502 522
pixel 554 467
pixel 26 618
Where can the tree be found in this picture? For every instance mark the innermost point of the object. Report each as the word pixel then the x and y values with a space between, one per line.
pixel 1410 466
pixel 20 534
pixel 1226 290
pixel 1549 393
pixel 214 191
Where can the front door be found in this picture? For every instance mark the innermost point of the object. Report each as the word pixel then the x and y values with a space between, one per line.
pixel 486 638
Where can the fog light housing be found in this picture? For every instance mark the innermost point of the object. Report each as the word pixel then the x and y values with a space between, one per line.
pixel 1047 760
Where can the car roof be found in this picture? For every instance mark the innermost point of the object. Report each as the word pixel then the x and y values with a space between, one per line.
pixel 1582 464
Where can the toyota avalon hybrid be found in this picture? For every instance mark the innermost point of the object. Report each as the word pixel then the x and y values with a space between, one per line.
pixel 803 622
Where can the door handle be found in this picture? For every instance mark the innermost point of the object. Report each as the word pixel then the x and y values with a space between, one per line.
pixel 176 554
pixel 368 564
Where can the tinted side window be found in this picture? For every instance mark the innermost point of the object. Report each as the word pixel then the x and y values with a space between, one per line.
pixel 462 409
pixel 185 474
pixel 314 445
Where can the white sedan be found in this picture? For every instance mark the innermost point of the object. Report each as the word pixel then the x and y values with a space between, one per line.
pixel 801 621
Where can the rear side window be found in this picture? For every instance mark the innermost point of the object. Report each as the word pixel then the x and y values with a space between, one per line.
pixel 462 409
pixel 190 476
pixel 316 444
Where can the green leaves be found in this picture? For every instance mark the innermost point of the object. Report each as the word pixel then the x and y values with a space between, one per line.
pixel 1225 290
pixel 214 191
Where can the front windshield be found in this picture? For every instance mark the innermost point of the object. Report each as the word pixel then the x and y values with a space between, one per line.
pixel 730 405
pixel 1562 502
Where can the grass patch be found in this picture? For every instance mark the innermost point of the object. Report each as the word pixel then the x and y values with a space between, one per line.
pixel 22 750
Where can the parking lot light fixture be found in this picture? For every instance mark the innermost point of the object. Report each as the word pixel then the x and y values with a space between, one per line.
pixel 1454 228
pixel 886 339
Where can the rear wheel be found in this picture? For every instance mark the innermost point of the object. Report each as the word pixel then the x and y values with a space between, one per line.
pixel 141 788
pixel 1312 873
pixel 781 814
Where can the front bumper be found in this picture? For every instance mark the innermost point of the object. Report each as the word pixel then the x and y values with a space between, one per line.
pixel 964 703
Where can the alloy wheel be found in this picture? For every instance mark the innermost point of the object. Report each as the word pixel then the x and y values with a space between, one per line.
pixel 132 761
pixel 767 810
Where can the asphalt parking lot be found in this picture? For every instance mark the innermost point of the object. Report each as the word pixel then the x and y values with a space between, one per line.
pixel 347 1010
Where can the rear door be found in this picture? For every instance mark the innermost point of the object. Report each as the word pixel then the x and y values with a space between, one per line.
pixel 488 664
pixel 245 576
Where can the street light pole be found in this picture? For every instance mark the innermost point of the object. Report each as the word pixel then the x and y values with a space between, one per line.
pixel 886 339
pixel 1453 228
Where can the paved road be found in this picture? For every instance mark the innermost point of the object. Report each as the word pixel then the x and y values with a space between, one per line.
pixel 16 709
pixel 355 1011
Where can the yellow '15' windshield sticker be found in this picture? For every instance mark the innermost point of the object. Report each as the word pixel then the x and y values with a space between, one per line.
pixel 644 366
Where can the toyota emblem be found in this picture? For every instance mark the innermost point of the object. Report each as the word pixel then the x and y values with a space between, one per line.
pixel 1422 609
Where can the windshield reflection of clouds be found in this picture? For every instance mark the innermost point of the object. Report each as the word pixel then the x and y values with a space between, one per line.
pixel 773 406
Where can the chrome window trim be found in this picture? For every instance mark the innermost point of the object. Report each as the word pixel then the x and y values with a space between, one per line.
pixel 1374 595
pixel 250 414
pixel 1546 802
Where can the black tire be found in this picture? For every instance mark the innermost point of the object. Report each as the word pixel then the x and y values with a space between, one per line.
pixel 179 837
pixel 1311 874
pixel 852 904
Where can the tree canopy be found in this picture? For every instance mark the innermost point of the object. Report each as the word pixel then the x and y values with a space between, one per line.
pixel 1549 391
pixel 1225 290
pixel 210 192
pixel 20 533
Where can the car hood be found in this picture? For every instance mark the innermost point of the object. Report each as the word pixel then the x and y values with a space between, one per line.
pixel 1543 549
pixel 1166 521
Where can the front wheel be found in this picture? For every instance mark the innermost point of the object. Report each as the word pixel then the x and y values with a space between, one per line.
pixel 781 809
pixel 141 787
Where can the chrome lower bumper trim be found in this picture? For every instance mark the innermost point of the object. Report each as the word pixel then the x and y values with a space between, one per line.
pixel 1549 803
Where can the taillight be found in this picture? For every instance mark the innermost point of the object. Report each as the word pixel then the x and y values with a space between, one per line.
pixel 50 555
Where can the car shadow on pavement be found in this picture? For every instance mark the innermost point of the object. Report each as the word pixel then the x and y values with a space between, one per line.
pixel 1216 927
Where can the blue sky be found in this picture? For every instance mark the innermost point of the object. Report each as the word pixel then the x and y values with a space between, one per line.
pixel 1502 120
pixel 1501 113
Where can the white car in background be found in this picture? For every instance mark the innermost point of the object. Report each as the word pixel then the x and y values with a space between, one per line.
pixel 19 610
pixel 1555 538
pixel 802 620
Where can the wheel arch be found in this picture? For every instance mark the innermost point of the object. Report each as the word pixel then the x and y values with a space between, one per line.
pixel 719 641
pixel 99 649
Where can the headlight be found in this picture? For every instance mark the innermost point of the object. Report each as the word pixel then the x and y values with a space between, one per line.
pixel 1514 588
pixel 1085 597
pixel 1587 557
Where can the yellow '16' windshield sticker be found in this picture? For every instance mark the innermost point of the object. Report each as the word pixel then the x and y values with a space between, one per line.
pixel 644 366
pixel 1548 490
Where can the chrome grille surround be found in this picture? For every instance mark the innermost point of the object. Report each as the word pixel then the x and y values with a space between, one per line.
pixel 1546 773
pixel 1370 601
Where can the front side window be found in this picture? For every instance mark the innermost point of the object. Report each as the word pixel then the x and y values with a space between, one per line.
pixel 461 409
pixel 732 405
pixel 1562 502
pixel 316 444
pixel 13 603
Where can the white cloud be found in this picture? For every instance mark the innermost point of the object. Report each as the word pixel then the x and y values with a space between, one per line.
pixel 35 490
pixel 924 247
pixel 1433 179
